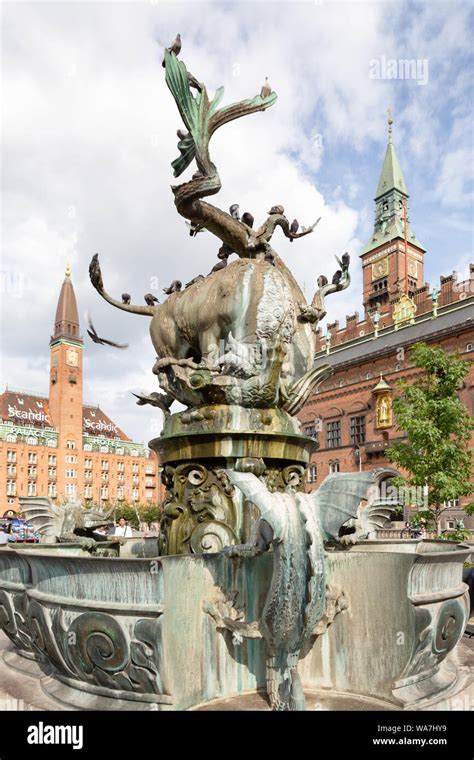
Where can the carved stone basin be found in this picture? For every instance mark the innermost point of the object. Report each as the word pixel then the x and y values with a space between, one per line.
pixel 114 633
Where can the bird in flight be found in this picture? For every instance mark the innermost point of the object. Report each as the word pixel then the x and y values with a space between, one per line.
pixel 92 333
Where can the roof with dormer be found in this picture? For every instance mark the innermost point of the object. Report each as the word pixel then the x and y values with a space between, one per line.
pixel 32 410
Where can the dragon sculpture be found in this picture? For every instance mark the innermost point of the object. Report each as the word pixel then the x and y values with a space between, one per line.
pixel 237 349
pixel 203 334
pixel 296 526
pixel 70 523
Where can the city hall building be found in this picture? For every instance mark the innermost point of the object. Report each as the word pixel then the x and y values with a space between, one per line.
pixel 56 445
pixel 351 413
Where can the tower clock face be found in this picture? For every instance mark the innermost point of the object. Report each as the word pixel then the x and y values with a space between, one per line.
pixel 380 269
pixel 72 357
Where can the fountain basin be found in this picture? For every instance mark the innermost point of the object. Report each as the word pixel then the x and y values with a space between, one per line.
pixel 109 633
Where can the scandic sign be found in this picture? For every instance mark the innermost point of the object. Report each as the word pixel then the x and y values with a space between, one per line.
pixel 107 426
pixel 23 414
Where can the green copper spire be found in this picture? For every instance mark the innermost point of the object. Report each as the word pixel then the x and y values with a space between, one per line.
pixel 390 200
pixel 391 177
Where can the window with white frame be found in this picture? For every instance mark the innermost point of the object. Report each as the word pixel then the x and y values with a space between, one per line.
pixel 32 458
pixel 135 494
pixel 32 488
pixel 149 494
pixel 104 492
pixel 334 467
pixel 71 473
pixel 52 459
pixel 120 466
pixel 11 487
pixel 11 438
pixel 31 440
pixel 312 473
pixel 88 447
pixel 70 444
pixel 11 469
pixel 88 492
pixel 104 464
pixel 70 489
pixel 451 503
pixel 51 443
pixel 135 467
pixel 52 489
pixel 11 456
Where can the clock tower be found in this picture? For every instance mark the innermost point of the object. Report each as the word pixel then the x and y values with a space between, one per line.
pixel 392 260
pixel 65 380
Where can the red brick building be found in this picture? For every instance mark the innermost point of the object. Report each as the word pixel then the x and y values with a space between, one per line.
pixel 56 445
pixel 351 413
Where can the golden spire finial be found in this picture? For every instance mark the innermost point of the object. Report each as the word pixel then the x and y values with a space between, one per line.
pixel 390 122
pixel 68 270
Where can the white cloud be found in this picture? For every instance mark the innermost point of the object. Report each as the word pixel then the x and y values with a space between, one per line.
pixel 88 135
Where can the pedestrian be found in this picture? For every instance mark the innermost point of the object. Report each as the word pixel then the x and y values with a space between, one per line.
pixel 123 529
pixel 4 536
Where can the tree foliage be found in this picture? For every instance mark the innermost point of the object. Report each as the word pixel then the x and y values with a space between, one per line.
pixel 438 428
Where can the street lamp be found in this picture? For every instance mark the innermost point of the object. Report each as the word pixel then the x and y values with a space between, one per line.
pixel 357 457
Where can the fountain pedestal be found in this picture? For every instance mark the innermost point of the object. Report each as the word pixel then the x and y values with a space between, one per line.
pixel 202 513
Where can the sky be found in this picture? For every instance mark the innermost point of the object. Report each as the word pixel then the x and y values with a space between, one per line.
pixel 88 133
